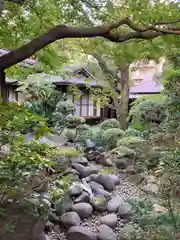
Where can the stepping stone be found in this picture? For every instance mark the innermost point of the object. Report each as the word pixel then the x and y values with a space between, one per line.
pixel 110 220
pixel 81 160
pixel 70 219
pixel 106 233
pixel 84 210
pixel 80 233
pixel 114 204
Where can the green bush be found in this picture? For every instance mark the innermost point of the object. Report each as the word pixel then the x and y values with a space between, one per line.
pixel 145 112
pixel 109 123
pixel 70 134
pixel 130 141
pixel 111 136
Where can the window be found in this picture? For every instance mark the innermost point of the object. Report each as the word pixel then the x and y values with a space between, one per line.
pixel 85 107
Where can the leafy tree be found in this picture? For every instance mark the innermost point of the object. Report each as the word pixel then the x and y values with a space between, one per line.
pixel 31 26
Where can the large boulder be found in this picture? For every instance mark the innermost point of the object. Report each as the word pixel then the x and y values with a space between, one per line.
pixel 85 171
pixel 80 233
pixel 114 204
pixel 70 219
pixel 106 233
pixel 109 220
pixel 84 210
pixel 106 180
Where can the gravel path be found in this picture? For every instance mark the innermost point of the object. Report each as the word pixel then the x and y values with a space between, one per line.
pixel 126 190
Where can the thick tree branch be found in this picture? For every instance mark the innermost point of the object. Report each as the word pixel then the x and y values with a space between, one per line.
pixel 105 31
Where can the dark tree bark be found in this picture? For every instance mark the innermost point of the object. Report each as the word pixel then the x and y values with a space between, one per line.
pixel 3 86
pixel 124 103
pixel 105 31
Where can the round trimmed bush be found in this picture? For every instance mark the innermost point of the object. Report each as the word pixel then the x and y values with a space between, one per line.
pixel 111 136
pixel 109 123
pixel 132 141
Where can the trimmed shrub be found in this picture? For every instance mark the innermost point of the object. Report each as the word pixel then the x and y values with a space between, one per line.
pixel 111 136
pixel 132 141
pixel 109 123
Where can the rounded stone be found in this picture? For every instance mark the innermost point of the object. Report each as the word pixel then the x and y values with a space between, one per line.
pixel 109 220
pixel 70 219
pixel 106 233
pixel 84 210
pixel 75 190
pixel 114 203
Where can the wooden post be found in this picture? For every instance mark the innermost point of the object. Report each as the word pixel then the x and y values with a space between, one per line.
pixel 3 86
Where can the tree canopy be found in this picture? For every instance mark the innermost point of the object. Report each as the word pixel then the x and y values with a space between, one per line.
pixel 30 26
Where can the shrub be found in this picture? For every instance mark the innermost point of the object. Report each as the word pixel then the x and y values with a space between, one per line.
pixel 146 111
pixel 70 135
pixel 111 136
pixel 123 151
pixel 109 123
pixel 130 141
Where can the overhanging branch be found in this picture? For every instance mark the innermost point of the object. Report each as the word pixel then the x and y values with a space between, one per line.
pixel 106 31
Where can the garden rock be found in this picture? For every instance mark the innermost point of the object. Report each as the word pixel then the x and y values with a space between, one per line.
pixel 92 155
pixel 116 179
pixel 62 206
pixel 103 193
pixel 109 220
pixel 106 233
pixel 44 237
pixel 85 171
pixel 122 163
pixel 99 203
pixel 75 190
pixel 84 197
pixel 125 209
pixel 114 204
pixel 106 180
pixel 70 219
pixel 127 232
pixel 94 185
pixel 80 160
pixel 84 210
pixel 103 159
pixel 80 233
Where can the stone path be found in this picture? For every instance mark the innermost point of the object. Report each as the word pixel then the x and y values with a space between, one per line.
pixel 125 190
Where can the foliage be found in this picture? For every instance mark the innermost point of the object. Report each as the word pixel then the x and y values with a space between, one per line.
pixel 42 98
pixel 62 111
pixel 111 136
pixel 123 151
pixel 130 141
pixel 23 159
pixel 144 112
pixel 109 123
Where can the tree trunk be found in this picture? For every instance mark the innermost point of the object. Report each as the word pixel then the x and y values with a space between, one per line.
pixel 3 87
pixel 124 102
